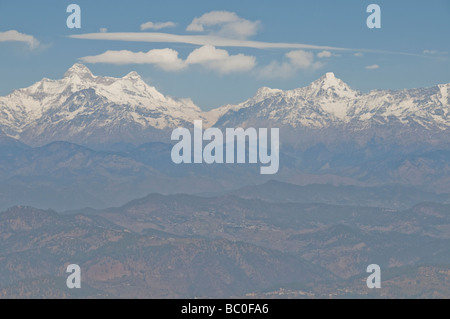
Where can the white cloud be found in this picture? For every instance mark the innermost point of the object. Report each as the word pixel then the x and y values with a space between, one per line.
pixel 324 54
pixel 358 54
pixel 434 52
pixel 372 67
pixel 220 60
pixel 211 19
pixel 224 23
pixel 13 35
pixel 296 60
pixel 157 25
pixel 103 30
pixel 167 59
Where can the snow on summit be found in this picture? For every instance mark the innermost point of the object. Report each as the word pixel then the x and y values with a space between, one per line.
pixel 329 102
pixel 85 108
pixel 82 101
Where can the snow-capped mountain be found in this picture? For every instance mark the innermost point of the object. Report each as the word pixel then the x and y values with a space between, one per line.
pixel 329 102
pixel 89 109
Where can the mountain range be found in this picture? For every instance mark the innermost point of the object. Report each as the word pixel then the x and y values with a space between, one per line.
pixel 84 108
pixel 93 110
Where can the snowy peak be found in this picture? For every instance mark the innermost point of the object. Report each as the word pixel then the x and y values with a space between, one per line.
pixel 330 102
pixel 326 100
pixel 79 70
pixel 330 76
pixel 263 94
pixel 133 75
pixel 328 80
pixel 331 86
pixel 84 108
pixel 266 92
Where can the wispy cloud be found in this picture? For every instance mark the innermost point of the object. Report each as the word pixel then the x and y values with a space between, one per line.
pixel 157 25
pixel 213 40
pixel 217 41
pixel 358 54
pixel 15 36
pixel 209 57
pixel 372 67
pixel 434 52
pixel 224 23
pixel 295 61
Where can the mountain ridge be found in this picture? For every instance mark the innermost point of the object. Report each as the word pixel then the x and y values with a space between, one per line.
pixel 88 109
pixel 330 100
pixel 81 105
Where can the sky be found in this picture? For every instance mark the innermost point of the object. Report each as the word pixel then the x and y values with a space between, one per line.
pixel 220 52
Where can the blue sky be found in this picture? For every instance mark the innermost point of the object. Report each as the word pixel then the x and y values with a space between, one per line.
pixel 412 48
